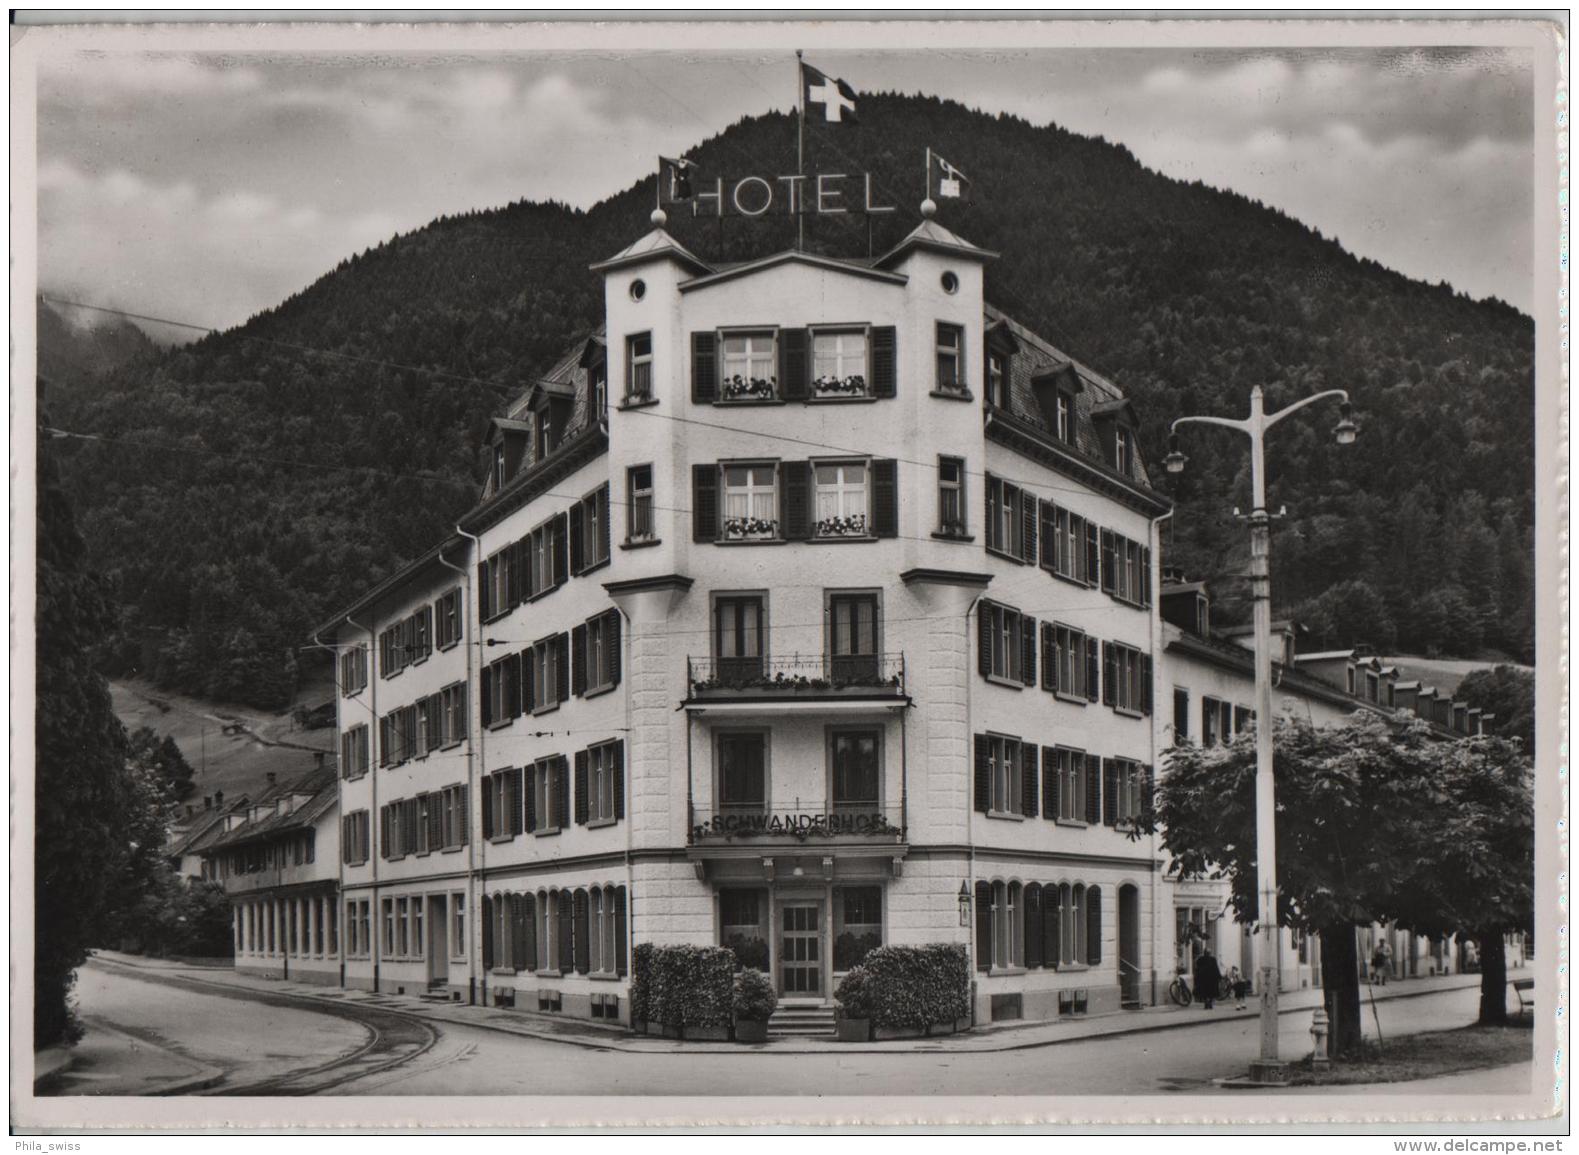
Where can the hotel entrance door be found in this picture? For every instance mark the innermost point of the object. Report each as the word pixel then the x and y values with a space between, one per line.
pixel 800 950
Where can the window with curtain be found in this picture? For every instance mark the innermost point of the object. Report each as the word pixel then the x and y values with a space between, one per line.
pixel 857 770
pixel 852 637
pixel 842 500
pixel 750 502
pixel 742 773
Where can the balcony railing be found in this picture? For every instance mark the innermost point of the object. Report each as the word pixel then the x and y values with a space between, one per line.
pixel 797 821
pixel 798 675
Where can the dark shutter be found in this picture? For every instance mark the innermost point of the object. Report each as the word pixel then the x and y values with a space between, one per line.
pixel 516 588
pixel 528 584
pixel 562 790
pixel 1052 914
pixel 1049 782
pixel 794 364
pixel 1048 534
pixel 884 362
pixel 1145 683
pixel 795 499
pixel 528 961
pixel 604 528
pixel 581 787
pixel 1148 791
pixel 1109 675
pixel 487 933
pixel 1028 651
pixel 1145 576
pixel 578 660
pixel 1093 926
pixel 583 938
pixel 562 668
pixel 487 696
pixel 1093 672
pixel 983 774
pixel 984 639
pixel 1028 505
pixel 487 806
pixel 383 832
pixel 1110 792
pixel 1032 903
pixel 704 367
pixel 1109 566
pixel 528 681
pixel 983 926
pixel 885 497
pixel 517 933
pixel 484 592
pixel 561 532
pixel 567 929
pixel 704 502
pixel 578 546
pixel 1049 657
pixel 1093 555
pixel 611 640
pixel 515 702
pixel 514 788
pixel 530 774
pixel 1093 789
pixel 617 752
pixel 621 948
pixel 1029 772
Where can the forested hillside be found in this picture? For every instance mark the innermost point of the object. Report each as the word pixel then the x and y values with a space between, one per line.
pixel 261 476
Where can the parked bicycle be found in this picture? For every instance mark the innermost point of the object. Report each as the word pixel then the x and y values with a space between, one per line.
pixel 1181 993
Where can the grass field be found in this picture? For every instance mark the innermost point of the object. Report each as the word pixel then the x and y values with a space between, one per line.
pixel 1424 1056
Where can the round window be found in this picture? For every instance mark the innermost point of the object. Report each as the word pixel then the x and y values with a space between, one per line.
pixel 639 289
pixel 950 283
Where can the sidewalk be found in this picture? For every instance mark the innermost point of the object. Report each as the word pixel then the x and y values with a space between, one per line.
pixel 995 1037
pixel 109 1061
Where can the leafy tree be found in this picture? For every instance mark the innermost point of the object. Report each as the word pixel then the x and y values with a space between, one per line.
pixel 164 758
pixel 1349 613
pixel 1507 692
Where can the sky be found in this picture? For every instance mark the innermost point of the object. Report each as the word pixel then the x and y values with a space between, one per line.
pixel 205 188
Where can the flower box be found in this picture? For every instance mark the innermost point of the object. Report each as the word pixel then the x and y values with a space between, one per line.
pixel 750 528
pixel 852 386
pixel 853 1030
pixel 739 388
pixel 852 526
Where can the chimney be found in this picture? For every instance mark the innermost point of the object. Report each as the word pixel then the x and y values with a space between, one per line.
pixel 318 756
pixel 208 801
pixel 271 777
pixel 219 798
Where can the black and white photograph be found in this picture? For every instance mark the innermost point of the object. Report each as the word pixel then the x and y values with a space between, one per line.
pixel 877 572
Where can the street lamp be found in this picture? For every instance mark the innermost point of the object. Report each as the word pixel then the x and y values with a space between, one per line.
pixel 1268 1068
pixel 964 904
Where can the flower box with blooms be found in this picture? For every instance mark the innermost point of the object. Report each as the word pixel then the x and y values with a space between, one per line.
pixel 852 526
pixel 744 528
pixel 852 386
pixel 738 388
pixel 953 529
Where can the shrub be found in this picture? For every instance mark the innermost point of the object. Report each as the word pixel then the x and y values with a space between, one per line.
pixel 751 953
pixel 849 949
pixel 755 998
pixel 855 994
pixel 683 986
pixel 917 986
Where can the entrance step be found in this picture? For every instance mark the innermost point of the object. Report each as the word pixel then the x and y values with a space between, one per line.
pixel 801 1021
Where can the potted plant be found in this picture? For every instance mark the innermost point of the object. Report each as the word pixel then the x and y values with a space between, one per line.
pixel 854 1024
pixel 755 1002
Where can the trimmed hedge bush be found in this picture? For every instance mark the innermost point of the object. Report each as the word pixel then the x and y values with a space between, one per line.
pixel 683 986
pixel 755 998
pixel 917 987
pixel 854 995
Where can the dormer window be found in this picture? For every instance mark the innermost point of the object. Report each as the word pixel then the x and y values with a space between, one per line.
pixel 1124 451
pixel 997 382
pixel 499 477
pixel 598 388
pixel 1064 410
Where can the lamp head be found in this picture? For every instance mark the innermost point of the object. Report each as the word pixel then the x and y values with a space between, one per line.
pixel 1175 460
pixel 1345 430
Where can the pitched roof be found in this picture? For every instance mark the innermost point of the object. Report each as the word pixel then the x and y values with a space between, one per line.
pixel 934 237
pixel 856 267
pixel 655 245
pixel 323 795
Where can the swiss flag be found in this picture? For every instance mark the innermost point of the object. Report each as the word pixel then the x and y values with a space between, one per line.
pixel 835 96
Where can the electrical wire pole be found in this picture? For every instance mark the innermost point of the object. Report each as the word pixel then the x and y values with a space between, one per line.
pixel 1268 1069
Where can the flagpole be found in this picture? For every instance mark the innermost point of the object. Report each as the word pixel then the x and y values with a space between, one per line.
pixel 927 191
pixel 800 151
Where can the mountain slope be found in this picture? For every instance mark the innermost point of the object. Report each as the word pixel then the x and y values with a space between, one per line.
pixel 305 476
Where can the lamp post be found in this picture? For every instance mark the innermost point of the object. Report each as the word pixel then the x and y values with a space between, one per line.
pixel 1268 1068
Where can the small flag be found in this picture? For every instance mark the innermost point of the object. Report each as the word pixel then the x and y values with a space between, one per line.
pixel 836 97
pixel 944 181
pixel 674 179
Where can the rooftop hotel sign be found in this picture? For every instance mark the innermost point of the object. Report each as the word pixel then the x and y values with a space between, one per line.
pixel 814 194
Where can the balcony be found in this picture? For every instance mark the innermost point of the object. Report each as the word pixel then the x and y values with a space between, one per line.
pixel 838 682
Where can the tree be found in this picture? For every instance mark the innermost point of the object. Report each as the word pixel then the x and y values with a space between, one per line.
pixel 80 784
pixel 164 758
pixel 1508 693
pixel 1348 614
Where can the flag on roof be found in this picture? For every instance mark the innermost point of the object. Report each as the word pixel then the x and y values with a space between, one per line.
pixel 674 178
pixel 944 181
pixel 835 98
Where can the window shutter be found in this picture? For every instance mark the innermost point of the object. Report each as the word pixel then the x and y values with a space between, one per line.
pixel 1145 683
pixel 578 660
pixel 1093 556
pixel 516 589
pixel 514 788
pixel 1110 792
pixel 1033 926
pixel 562 668
pixel 1093 789
pixel 794 366
pixel 529 777
pixel 1109 566
pixel 383 832
pixel 621 947
pixel 1049 657
pixel 562 790
pixel 1029 771
pixel 1048 536
pixel 1093 926
pixel 514 702
pixel 517 933
pixel 1093 671
pixel 604 528
pixel 611 640
pixel 617 752
pixel 527 582
pixel 1028 651
pixel 704 367
pixel 992 490
pixel 1049 782
pixel 1149 791
pixel 567 958
pixel 485 591
pixel 583 939
pixel 561 532
pixel 528 957
pixel 983 926
pixel 885 497
pixel 487 806
pixel 1145 576
pixel 704 502
pixel 795 499
pixel 578 548
pixel 1109 675
pixel 884 361
pixel 983 774
pixel 1028 505
pixel 487 933
pixel 984 639
pixel 581 787
pixel 1052 914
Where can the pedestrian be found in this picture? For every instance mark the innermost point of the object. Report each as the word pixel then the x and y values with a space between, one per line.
pixel 1237 984
pixel 1379 964
pixel 1387 960
pixel 1207 977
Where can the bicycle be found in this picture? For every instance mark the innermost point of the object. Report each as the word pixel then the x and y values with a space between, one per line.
pixel 1179 991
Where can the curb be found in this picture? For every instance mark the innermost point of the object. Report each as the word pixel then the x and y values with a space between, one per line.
pixel 206 1075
